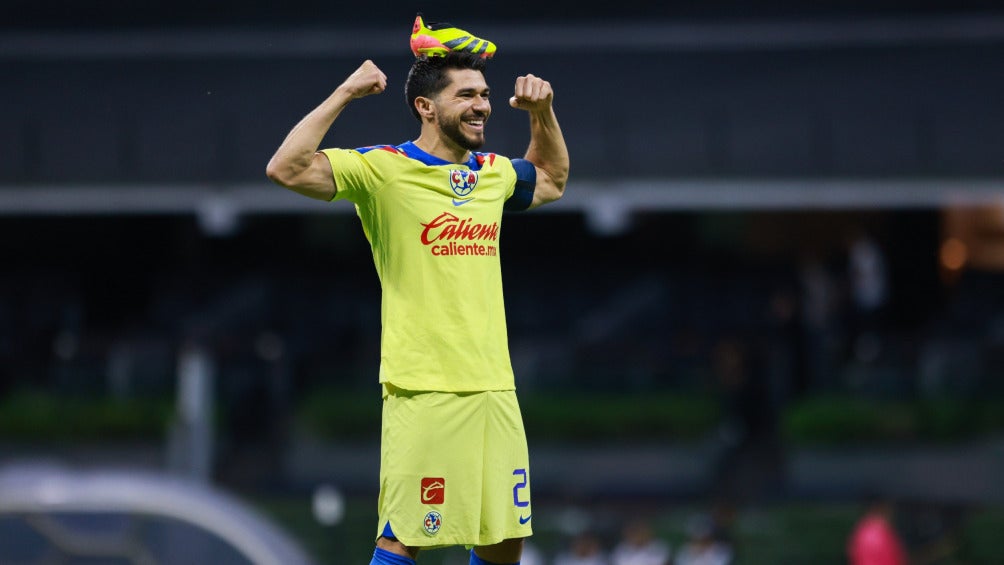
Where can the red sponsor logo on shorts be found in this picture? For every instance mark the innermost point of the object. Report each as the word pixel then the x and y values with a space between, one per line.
pixel 433 490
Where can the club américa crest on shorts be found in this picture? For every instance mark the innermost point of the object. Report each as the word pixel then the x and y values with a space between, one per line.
pixel 463 181
pixel 433 521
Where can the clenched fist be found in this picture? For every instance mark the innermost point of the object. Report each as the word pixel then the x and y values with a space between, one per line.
pixel 367 79
pixel 532 94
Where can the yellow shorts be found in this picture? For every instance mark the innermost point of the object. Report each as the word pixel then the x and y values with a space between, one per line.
pixel 454 469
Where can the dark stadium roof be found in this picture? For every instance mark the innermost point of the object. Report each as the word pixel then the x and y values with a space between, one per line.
pixel 72 14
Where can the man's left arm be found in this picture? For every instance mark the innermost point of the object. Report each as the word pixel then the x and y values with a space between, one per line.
pixel 547 150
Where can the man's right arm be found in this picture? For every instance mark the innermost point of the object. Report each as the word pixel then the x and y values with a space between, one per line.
pixel 296 164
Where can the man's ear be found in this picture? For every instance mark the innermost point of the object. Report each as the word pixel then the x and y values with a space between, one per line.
pixel 426 108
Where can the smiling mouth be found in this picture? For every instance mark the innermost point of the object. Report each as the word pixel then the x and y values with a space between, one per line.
pixel 476 121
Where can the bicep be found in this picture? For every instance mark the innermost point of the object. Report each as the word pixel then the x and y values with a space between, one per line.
pixel 317 180
pixel 545 190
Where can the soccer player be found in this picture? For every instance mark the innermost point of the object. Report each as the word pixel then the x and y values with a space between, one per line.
pixel 454 463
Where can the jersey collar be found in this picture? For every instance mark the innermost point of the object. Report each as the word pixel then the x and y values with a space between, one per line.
pixel 413 151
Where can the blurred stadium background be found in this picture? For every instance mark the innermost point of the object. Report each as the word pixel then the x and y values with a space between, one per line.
pixel 775 285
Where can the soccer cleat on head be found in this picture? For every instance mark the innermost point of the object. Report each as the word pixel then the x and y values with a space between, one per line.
pixel 436 40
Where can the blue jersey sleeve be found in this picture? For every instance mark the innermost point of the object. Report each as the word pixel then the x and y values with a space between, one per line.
pixel 526 180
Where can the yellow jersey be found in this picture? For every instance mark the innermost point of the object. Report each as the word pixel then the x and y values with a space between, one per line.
pixel 434 228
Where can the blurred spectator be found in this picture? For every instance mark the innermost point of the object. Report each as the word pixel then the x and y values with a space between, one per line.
pixel 639 546
pixel 869 293
pixel 818 306
pixel 874 540
pixel 701 547
pixel 866 269
pixel 585 549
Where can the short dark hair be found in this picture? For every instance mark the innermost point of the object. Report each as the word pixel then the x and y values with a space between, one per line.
pixel 427 76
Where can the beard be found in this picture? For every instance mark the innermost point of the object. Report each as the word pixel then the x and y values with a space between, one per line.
pixel 451 128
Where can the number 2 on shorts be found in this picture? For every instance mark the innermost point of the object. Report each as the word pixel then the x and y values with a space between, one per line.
pixel 519 486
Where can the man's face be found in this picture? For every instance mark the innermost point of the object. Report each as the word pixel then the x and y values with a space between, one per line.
pixel 463 108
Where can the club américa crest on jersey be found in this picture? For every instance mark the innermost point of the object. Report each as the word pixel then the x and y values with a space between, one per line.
pixel 463 181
